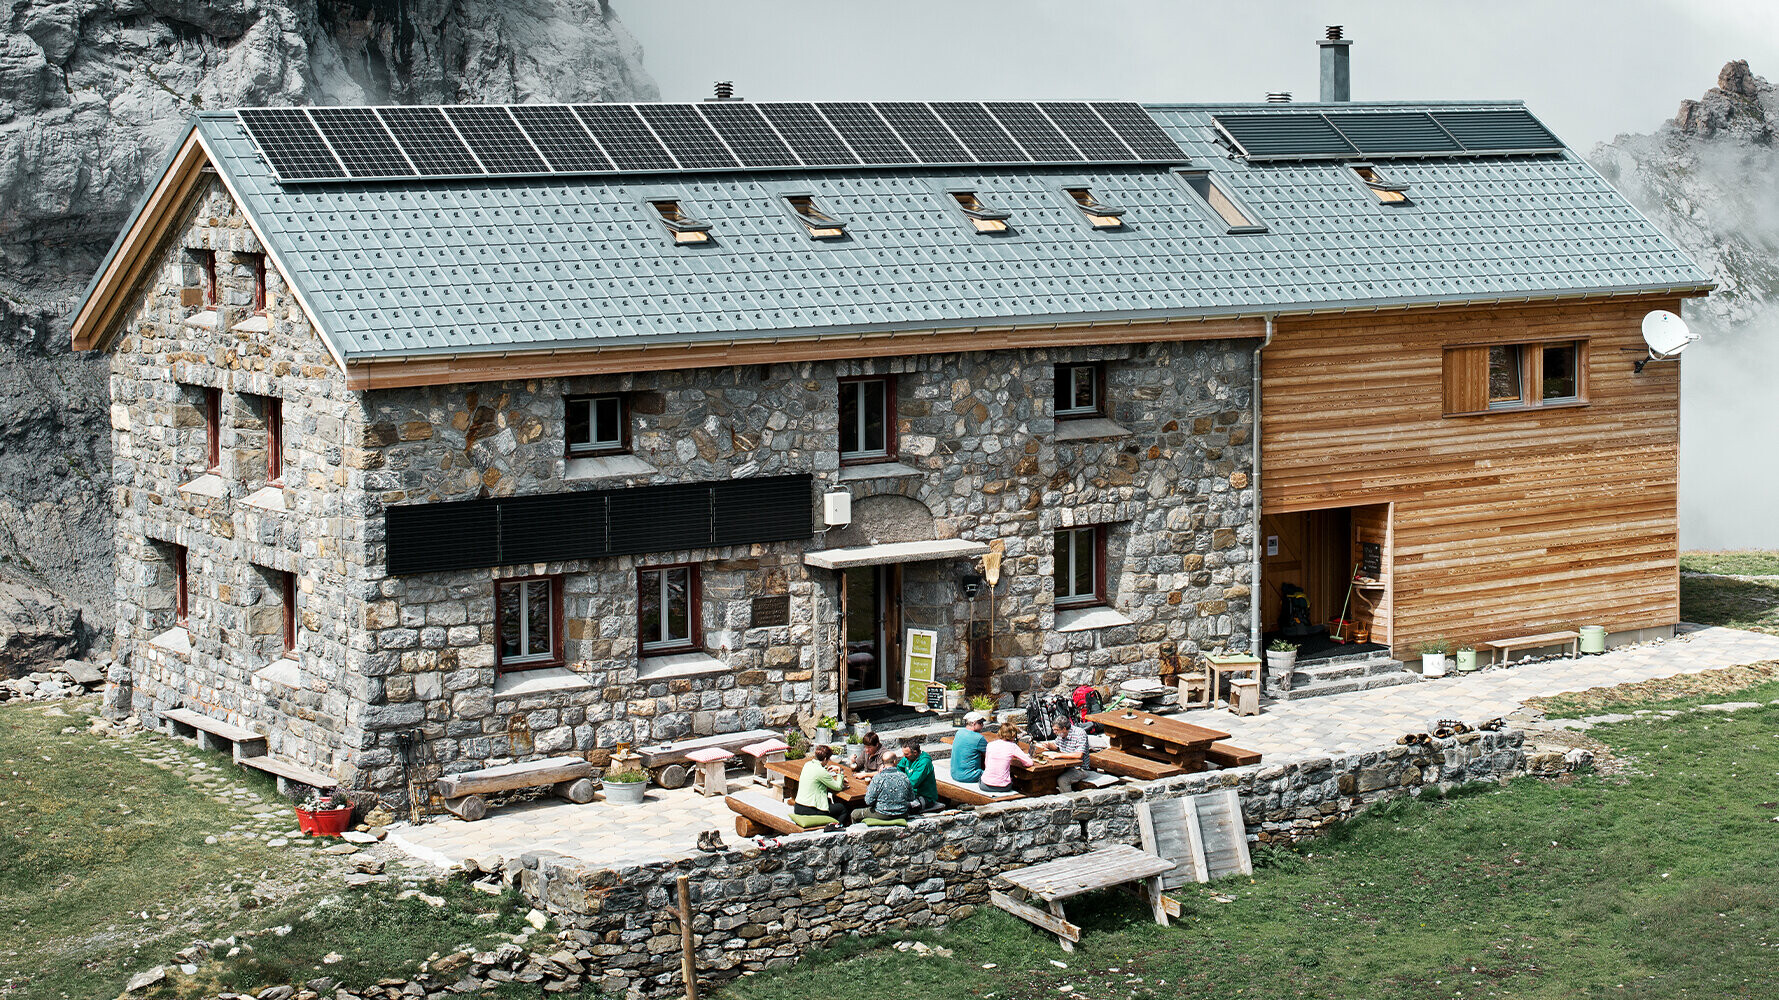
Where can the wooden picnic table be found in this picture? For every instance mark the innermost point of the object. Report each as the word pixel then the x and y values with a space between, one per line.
pixel 792 770
pixel 1055 881
pixel 1158 738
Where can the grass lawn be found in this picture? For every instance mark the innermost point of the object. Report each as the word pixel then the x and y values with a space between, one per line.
pixel 1752 562
pixel 1657 885
pixel 106 873
pixel 1749 604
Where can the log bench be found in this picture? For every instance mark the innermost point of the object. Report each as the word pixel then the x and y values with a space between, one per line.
pixel 1504 647
pixel 247 748
pixel 568 778
pixel 756 812
pixel 667 761
pixel 1228 755
pixel 1129 765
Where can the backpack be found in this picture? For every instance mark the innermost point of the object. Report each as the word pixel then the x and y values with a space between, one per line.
pixel 1087 702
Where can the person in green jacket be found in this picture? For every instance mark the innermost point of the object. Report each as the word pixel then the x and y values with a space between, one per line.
pixel 816 784
pixel 918 766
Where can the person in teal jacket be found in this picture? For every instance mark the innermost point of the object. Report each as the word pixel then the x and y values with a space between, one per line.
pixel 968 748
pixel 917 764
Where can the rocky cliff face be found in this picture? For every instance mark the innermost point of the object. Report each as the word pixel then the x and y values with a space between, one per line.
pixel 92 94
pixel 1709 177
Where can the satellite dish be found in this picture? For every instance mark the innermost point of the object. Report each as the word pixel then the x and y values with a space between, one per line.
pixel 1666 334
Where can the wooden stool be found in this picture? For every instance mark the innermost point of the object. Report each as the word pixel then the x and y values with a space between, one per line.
pixel 710 777
pixel 1195 690
pixel 1244 696
pixel 763 753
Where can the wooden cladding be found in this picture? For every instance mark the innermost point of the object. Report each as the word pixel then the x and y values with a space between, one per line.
pixel 1517 520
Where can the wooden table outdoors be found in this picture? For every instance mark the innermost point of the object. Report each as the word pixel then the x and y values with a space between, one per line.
pixel 792 770
pixel 1064 878
pixel 1155 737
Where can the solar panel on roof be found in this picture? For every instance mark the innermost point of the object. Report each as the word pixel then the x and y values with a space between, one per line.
pixel 686 136
pixel 291 143
pixel 361 142
pixel 496 140
pixel 1087 131
pixel 1036 134
pixel 923 132
pixel 430 142
pixel 1139 131
pixel 621 131
pixel 1497 130
pixel 750 138
pixel 808 134
pixel 864 130
pixel 1392 132
pixel 1285 135
pixel 558 134
pixel 980 133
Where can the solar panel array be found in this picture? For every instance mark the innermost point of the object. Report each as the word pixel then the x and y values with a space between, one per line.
pixel 313 144
pixel 1308 135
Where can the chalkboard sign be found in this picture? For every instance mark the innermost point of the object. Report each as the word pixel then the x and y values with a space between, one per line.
pixel 936 697
pixel 1371 560
pixel 771 611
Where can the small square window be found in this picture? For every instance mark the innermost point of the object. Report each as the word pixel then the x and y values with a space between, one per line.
pixel 985 219
pixel 667 609
pixel 1099 214
pixel 1559 380
pixel 867 420
pixel 528 624
pixel 1386 191
pixel 1236 219
pixel 1077 391
pixel 597 425
pixel 1080 571
pixel 820 224
pixel 1506 384
pixel 680 223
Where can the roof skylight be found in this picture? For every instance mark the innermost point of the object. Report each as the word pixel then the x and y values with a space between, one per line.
pixel 820 224
pixel 1236 217
pixel 1099 214
pixel 1386 191
pixel 684 228
pixel 985 219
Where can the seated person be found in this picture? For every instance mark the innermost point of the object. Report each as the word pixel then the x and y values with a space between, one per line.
pixel 917 764
pixel 816 784
pixel 967 749
pixel 1070 744
pixel 997 760
pixel 887 796
pixel 868 755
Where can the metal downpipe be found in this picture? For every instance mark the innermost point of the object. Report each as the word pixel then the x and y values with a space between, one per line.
pixel 1254 472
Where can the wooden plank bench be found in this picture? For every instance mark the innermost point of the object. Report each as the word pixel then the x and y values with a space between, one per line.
pixel 1505 647
pixel 756 812
pixel 970 795
pixel 214 734
pixel 568 777
pixel 1129 765
pixel 292 778
pixel 667 761
pixel 1229 755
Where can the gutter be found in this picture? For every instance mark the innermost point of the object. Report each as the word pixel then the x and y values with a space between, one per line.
pixel 1254 473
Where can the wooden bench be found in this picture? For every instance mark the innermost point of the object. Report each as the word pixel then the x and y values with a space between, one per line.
pixel 951 791
pixel 1066 878
pixel 1129 765
pixel 568 777
pixel 667 761
pixel 214 734
pixel 756 812
pixel 292 778
pixel 1505 647
pixel 1228 755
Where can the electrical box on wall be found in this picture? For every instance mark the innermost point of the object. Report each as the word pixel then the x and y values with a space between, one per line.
pixel 837 509
pixel 1272 545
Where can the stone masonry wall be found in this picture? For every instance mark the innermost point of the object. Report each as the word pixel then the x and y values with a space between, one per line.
pixel 759 909
pixel 229 663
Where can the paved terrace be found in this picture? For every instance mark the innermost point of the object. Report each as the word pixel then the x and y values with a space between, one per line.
pixel 666 826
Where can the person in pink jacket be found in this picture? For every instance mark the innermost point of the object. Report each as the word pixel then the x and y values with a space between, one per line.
pixel 997 763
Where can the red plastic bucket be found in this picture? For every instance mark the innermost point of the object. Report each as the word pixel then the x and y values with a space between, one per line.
pixel 325 822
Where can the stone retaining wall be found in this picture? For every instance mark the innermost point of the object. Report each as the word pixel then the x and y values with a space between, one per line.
pixel 761 909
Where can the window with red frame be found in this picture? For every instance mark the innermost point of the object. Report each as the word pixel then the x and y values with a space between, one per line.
pixel 259 284
pixel 212 428
pixel 273 409
pixel 528 622
pixel 287 598
pixel 181 588
pixel 668 609
pixel 207 265
pixel 867 420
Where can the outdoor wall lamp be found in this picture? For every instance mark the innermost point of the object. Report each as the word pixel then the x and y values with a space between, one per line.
pixel 971 584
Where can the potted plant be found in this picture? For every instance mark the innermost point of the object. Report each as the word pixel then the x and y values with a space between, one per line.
pixel 324 814
pixel 984 703
pixel 796 744
pixel 1281 656
pixel 1433 658
pixel 626 787
pixel 824 729
pixel 1466 659
pixel 954 696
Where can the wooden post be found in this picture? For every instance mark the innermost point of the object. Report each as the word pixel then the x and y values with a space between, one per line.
pixel 688 969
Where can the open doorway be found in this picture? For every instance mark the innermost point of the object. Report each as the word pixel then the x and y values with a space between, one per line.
pixel 873 615
pixel 1325 580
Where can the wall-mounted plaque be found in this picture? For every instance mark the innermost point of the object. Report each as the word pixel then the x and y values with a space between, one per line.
pixel 772 610
pixel 1371 560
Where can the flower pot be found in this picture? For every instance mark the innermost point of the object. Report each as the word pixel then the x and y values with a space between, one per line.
pixel 860 728
pixel 1432 664
pixel 824 735
pixel 1466 660
pixel 1279 663
pixel 625 792
pixel 1593 638
pixel 954 701
pixel 324 822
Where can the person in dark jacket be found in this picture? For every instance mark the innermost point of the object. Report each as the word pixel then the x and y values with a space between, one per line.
pixel 887 796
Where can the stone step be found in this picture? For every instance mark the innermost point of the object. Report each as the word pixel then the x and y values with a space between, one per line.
pixel 1324 678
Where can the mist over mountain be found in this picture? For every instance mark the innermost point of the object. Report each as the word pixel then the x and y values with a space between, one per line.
pixel 1709 177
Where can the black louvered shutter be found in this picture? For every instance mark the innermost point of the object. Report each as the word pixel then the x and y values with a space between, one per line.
pixel 551 527
pixel 766 509
pixel 659 518
pixel 435 537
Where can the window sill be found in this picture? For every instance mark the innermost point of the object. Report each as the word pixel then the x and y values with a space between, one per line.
pixel 1088 428
pixel 670 665
pixel 174 640
pixel 607 467
pixel 1086 619
pixel 285 670
pixel 539 679
pixel 207 485
pixel 253 324
pixel 877 470
pixel 267 498
pixel 206 320
pixel 1567 404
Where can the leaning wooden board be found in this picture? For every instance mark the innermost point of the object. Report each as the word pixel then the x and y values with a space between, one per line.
pixel 1203 835
pixel 1223 834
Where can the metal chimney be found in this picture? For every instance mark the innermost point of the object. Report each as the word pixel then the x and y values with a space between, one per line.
pixel 1278 97
pixel 1337 80
pixel 725 91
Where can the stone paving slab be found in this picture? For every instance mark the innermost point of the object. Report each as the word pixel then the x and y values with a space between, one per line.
pixel 667 824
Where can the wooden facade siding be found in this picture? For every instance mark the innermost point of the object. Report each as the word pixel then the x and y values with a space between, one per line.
pixel 1499 523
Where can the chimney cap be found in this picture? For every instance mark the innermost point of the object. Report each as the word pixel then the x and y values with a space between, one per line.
pixel 1278 97
pixel 725 91
pixel 1334 34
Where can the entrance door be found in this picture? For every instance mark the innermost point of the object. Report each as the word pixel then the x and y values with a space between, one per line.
pixel 867 646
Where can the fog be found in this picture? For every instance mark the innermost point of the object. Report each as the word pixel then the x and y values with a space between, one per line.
pixel 1728 405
